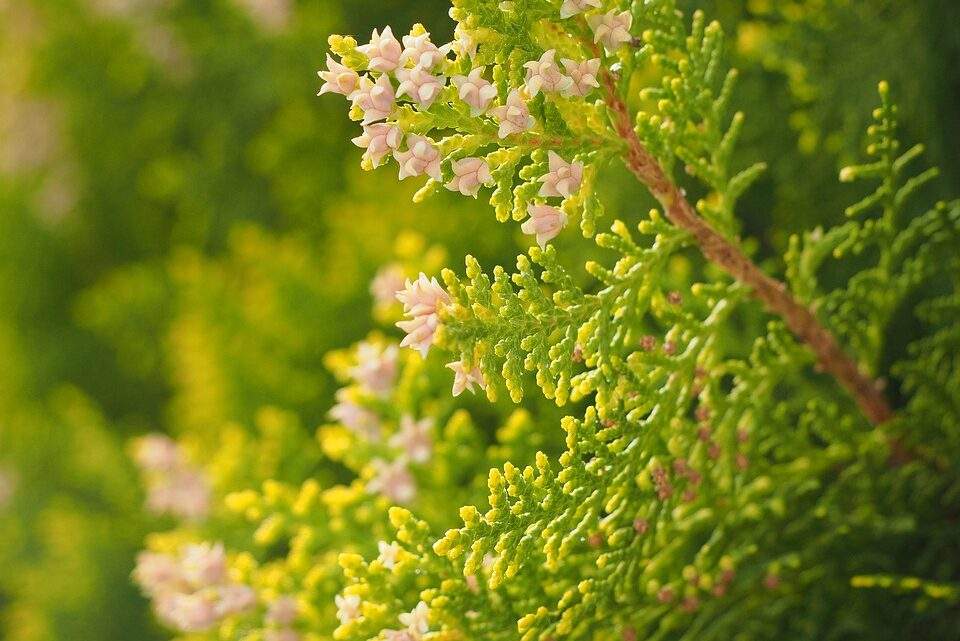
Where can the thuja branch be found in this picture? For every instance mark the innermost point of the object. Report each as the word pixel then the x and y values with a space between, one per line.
pixel 479 119
pixel 774 294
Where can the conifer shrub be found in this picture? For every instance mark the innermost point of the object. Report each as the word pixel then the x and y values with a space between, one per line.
pixel 742 450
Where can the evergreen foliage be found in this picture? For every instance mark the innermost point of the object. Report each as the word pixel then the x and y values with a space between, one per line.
pixel 727 470
pixel 648 451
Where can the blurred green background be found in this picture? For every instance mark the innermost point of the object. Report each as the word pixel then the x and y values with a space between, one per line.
pixel 185 231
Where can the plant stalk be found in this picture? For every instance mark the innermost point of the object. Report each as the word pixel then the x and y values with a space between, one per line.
pixel 774 294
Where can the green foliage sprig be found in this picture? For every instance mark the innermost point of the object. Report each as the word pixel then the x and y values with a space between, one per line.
pixel 712 483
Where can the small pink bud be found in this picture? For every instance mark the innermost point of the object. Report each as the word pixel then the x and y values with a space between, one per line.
pixel 563 179
pixel 385 285
pixel 465 379
pixel 472 583
pixel 583 75
pixel 544 75
pixel 394 481
pixel 514 117
pixel 422 300
pixel 383 51
pixel 375 99
pixel 573 7
pixel 379 140
pixel 611 28
pixel 338 79
pixel 420 85
pixel 376 368
pixel 545 221
pixel 475 91
pixel 418 51
pixel 469 175
pixel 414 438
pixel 421 157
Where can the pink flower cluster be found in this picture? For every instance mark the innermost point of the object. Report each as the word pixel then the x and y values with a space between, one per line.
pixel 174 486
pixel 415 70
pixel 612 29
pixel 465 379
pixel 281 615
pixel 191 592
pixel 413 439
pixel 416 66
pixel 393 478
pixel 416 624
pixel 561 181
pixel 422 300
pixel 354 416
pixel 374 373
pixel 545 75
pixel 386 283
pixel 348 607
pixel 376 368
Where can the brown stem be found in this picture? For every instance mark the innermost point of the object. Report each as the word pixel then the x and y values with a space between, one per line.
pixel 773 293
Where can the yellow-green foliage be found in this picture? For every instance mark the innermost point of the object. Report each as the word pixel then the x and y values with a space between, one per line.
pixel 711 484
pixel 66 523
pixel 185 235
